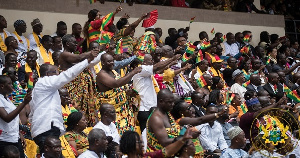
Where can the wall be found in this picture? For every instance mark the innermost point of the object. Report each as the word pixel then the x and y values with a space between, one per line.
pixel 50 12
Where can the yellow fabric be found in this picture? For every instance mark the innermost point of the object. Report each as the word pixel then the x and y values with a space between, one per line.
pixel 47 56
pixel 199 71
pixel 20 40
pixel 67 151
pixel 2 44
pixel 36 38
pixel 155 84
pixel 168 75
pixel 31 148
pixel 98 67
pixel 232 110
pixel 87 130
pixel 28 69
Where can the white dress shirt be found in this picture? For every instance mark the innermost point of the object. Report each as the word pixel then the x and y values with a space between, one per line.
pixel 142 82
pixel 236 88
pixel 9 132
pixel 31 39
pixel 46 104
pixel 110 130
pixel 90 154
pixel 212 138
pixel 232 49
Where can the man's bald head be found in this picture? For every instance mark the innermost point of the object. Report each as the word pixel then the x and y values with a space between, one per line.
pixel 104 107
pixel 255 79
pixel 107 61
pixel 273 78
pixel 167 51
pixel 164 93
pixel 264 101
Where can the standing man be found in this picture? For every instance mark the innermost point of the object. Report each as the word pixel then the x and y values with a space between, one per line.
pixel 23 42
pixel 231 48
pixel 3 33
pixel 143 83
pixel 76 32
pixel 61 29
pixel 43 51
pixel 35 37
pixel 46 100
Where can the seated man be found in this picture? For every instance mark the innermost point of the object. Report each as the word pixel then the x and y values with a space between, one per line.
pixel 108 116
pixel 98 144
pixel 237 87
pixel 273 87
pixel 52 147
pixel 211 137
pixel 255 83
pixel 30 69
pixel 198 103
pixel 225 125
pixel 238 142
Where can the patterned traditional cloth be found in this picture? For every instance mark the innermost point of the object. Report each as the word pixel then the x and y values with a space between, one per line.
pixel 67 110
pixel 81 140
pixel 127 41
pixel 83 91
pixel 199 152
pixel 152 142
pixel 17 96
pixel 124 113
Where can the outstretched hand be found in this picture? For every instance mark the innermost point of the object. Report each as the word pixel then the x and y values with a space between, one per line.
pixel 93 53
pixel 137 70
pixel 118 9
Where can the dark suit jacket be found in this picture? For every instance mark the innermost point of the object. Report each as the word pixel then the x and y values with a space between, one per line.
pixel 200 112
pixel 269 89
pixel 227 74
pixel 251 87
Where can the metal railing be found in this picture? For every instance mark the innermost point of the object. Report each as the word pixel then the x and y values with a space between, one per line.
pixel 291 28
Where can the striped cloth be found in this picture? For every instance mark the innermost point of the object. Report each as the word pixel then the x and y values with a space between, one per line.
pixel 127 41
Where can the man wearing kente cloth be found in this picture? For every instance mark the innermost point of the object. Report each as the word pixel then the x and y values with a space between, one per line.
pixel 111 91
pixel 83 88
pixel 161 126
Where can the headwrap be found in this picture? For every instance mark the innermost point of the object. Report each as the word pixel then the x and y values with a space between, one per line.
pixel 18 23
pixel 233 132
pixel 251 102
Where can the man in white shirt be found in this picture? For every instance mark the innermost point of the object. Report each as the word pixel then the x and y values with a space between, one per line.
pixel 211 137
pixel 97 144
pixel 143 83
pixel 35 37
pixel 231 47
pixel 108 116
pixel 46 113
pixel 239 79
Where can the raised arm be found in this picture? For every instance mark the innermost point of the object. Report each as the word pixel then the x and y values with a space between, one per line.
pixel 105 79
pixel 57 81
pixel 7 117
pixel 199 120
pixel 132 26
pixel 163 64
pixel 73 58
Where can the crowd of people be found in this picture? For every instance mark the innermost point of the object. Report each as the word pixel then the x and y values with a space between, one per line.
pixel 288 8
pixel 110 94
